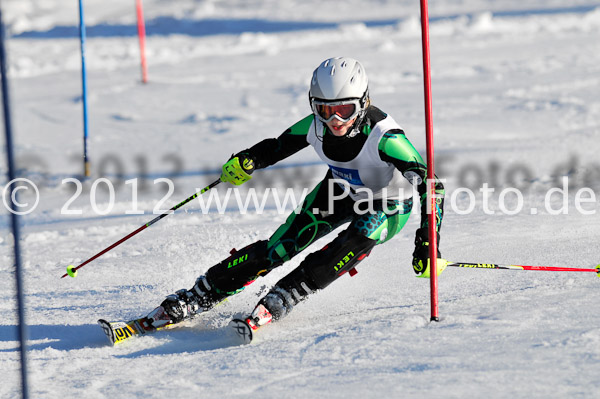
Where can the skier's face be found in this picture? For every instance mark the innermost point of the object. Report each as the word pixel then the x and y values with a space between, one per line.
pixel 339 128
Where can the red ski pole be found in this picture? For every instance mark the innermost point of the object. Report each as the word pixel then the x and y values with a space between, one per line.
pixel 72 271
pixel 523 267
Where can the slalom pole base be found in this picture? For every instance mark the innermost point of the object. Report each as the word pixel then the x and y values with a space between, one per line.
pixel 434 318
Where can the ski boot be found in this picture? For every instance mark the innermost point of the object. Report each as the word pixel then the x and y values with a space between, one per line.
pixel 185 303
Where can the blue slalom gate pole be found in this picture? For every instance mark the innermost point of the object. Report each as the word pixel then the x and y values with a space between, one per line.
pixel 21 330
pixel 86 162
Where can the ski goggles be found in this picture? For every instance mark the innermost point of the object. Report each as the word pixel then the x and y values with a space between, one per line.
pixel 344 111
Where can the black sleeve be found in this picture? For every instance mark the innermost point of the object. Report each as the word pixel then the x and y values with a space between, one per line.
pixel 271 151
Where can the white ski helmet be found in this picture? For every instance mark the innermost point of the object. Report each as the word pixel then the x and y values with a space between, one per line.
pixel 338 79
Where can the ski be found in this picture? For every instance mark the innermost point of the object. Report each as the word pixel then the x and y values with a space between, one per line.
pixel 241 330
pixel 244 329
pixel 120 331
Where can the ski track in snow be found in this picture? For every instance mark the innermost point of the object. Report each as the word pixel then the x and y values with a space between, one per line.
pixel 515 88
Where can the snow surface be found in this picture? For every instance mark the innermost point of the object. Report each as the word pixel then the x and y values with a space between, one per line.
pixel 516 104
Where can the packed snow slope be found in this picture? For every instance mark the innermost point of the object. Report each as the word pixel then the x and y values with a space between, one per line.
pixel 516 106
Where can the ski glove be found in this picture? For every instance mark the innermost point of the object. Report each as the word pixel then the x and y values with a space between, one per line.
pixel 420 260
pixel 238 169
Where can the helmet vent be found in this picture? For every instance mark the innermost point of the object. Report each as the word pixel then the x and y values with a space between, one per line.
pixel 332 70
pixel 344 64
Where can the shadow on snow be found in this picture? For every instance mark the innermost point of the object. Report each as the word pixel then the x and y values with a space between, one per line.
pixel 188 340
pixel 66 338
pixel 58 337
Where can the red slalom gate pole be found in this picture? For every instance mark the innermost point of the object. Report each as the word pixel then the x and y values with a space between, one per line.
pixel 142 37
pixel 430 164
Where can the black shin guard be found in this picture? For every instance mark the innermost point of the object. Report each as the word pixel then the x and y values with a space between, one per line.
pixel 242 267
pixel 338 257
pixel 317 271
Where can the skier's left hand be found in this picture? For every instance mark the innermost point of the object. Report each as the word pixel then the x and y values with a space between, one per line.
pixel 420 260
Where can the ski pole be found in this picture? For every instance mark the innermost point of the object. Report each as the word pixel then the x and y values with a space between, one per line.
pixel 523 267
pixel 72 271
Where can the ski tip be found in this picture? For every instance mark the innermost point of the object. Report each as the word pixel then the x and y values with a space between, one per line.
pixel 108 331
pixel 241 330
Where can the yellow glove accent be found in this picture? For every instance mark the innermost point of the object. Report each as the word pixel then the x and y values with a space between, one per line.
pixel 235 173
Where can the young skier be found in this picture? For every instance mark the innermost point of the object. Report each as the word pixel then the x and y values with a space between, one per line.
pixel 362 147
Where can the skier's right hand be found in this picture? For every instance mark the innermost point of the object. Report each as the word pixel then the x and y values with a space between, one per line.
pixel 238 169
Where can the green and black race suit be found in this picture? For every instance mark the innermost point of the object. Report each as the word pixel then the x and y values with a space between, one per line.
pixel 364 162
